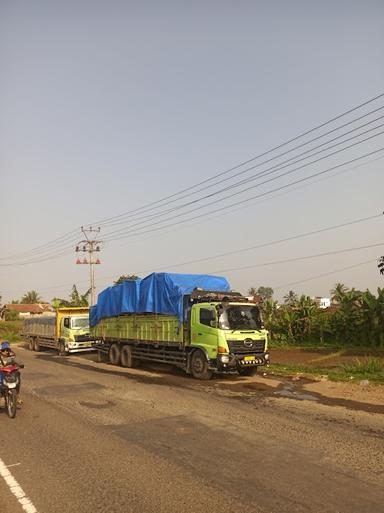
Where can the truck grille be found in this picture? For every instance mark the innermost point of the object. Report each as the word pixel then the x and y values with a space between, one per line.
pixel 246 346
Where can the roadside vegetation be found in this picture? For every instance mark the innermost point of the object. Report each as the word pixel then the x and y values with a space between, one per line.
pixel 10 330
pixel 355 319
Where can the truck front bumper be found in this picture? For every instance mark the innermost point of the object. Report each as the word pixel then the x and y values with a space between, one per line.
pixel 229 362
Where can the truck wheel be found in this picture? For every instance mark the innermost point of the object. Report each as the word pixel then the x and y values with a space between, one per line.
pixel 36 345
pixel 114 354
pixel 199 366
pixel 127 359
pixel 247 371
pixel 30 344
pixel 62 351
pixel 101 357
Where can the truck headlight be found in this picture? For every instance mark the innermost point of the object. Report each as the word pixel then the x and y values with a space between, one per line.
pixel 224 358
pixel 266 356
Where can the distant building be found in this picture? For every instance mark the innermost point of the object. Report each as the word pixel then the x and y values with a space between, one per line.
pixel 255 299
pixel 25 310
pixel 322 302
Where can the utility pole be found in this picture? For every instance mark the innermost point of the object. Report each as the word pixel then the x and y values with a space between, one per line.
pixel 89 245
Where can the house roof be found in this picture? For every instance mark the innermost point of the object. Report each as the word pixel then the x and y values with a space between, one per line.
pixel 35 308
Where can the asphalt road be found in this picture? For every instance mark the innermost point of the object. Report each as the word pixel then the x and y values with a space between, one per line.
pixel 95 438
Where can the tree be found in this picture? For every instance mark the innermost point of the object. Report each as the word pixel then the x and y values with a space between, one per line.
pixel 291 298
pixel 125 277
pixel 31 297
pixel 338 292
pixel 11 315
pixel 252 291
pixel 265 292
pixel 75 299
pixel 381 265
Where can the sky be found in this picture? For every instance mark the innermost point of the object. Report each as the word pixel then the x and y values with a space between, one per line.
pixel 114 107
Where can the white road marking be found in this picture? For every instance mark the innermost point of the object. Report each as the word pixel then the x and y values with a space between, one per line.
pixel 13 465
pixel 16 488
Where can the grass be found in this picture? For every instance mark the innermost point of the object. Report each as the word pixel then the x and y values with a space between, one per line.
pixel 371 369
pixel 365 366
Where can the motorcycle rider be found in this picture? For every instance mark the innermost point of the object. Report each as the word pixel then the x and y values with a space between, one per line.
pixel 7 357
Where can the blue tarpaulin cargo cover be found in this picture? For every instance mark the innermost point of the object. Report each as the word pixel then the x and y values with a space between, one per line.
pixel 160 293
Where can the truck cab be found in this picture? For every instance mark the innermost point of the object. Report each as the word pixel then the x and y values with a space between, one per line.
pixel 73 329
pixel 231 335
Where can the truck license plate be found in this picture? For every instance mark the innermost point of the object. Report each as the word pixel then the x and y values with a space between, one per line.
pixel 249 358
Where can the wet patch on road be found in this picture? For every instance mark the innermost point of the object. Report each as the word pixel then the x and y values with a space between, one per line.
pixel 97 406
pixel 295 390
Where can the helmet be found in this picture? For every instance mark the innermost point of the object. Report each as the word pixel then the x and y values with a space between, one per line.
pixel 5 345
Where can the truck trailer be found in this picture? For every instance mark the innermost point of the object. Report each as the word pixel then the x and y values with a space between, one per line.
pixel 190 321
pixel 67 331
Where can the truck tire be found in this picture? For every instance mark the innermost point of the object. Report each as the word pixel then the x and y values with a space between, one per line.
pixel 30 344
pixel 247 371
pixel 114 354
pixel 36 345
pixel 61 350
pixel 127 359
pixel 199 366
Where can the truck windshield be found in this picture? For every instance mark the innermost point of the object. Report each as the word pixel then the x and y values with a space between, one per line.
pixel 80 323
pixel 240 317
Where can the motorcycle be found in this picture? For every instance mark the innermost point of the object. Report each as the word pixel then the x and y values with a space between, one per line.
pixel 10 385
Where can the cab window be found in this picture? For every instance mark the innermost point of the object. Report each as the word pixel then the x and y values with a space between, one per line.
pixel 66 322
pixel 206 316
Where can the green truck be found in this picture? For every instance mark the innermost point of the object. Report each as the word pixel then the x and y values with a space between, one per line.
pixel 67 331
pixel 211 331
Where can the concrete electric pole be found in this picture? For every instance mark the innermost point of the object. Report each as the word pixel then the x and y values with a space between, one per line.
pixel 89 245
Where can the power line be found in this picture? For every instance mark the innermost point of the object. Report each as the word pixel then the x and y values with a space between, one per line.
pixel 130 232
pixel 32 261
pixel 324 275
pixel 298 259
pixel 241 250
pixel 61 241
pixel 153 215
pixel 278 241
pixel 273 169
pixel 266 172
pixel 260 155
pixel 274 196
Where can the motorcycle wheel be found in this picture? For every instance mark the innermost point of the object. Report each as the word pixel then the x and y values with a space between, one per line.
pixel 11 403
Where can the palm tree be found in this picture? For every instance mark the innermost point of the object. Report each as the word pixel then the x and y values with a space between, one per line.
pixel 31 297
pixel 338 292
pixel 290 298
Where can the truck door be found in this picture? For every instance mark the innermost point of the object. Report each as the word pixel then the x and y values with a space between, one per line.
pixel 65 328
pixel 204 332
